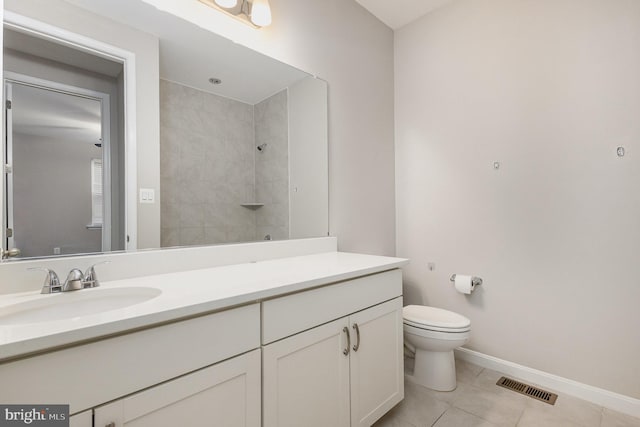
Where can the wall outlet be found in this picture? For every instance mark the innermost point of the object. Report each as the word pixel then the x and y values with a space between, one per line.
pixel 431 266
pixel 147 195
pixel 56 251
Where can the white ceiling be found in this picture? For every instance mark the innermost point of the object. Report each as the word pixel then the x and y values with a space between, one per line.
pixel 398 13
pixel 55 116
pixel 191 55
pixel 29 44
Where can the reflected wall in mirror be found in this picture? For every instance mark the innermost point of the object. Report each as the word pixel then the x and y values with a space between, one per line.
pixel 242 160
pixel 63 140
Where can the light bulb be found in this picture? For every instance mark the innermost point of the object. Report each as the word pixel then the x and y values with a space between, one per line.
pixel 261 13
pixel 227 4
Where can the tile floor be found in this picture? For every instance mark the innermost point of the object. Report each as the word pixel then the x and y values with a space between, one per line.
pixel 479 402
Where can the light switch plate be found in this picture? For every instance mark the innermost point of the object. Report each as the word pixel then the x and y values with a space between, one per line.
pixel 147 195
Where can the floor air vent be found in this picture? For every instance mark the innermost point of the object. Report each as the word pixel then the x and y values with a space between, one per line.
pixel 527 390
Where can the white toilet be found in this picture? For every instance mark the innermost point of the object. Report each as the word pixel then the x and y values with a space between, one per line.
pixel 433 333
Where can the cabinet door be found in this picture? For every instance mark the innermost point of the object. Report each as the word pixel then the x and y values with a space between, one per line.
pixel 226 394
pixel 83 419
pixel 306 378
pixel 377 364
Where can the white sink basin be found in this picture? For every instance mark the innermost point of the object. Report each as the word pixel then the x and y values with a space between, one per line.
pixel 68 305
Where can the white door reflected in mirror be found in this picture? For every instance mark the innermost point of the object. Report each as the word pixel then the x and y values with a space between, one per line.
pixel 58 196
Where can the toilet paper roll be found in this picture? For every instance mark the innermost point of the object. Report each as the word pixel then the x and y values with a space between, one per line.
pixel 464 284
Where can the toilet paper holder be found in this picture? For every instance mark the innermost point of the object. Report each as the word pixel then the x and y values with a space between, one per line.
pixel 475 281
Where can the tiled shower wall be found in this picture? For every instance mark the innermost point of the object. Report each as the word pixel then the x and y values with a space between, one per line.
pixel 206 167
pixel 209 166
pixel 272 167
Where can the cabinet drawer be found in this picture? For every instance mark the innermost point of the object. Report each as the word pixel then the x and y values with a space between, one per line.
pixel 91 374
pixel 286 316
pixel 226 394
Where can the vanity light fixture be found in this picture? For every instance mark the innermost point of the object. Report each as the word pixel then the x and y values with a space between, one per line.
pixel 227 4
pixel 256 13
pixel 261 13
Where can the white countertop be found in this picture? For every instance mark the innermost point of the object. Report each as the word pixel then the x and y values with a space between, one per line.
pixel 185 294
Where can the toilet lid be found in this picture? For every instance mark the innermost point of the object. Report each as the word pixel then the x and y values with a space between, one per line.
pixel 431 317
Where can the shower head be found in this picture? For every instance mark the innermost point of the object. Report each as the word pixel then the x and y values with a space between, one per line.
pixel 261 147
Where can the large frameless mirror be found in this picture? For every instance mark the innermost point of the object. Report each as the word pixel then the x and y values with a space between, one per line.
pixel 240 139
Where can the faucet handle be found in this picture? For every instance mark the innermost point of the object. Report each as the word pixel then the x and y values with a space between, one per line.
pixel 51 282
pixel 90 279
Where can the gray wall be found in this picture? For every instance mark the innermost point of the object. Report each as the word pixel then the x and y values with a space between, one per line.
pixel 207 167
pixel 356 58
pixel 272 167
pixel 52 195
pixel 308 159
pixel 549 88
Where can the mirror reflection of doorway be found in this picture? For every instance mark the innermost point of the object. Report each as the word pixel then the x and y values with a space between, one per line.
pixel 64 189
pixel 57 187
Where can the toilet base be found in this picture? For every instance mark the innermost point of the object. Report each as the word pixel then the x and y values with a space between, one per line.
pixel 435 370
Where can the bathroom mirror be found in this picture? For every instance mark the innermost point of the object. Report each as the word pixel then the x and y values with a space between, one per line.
pixel 227 145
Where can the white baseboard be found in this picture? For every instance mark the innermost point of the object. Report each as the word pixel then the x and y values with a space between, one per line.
pixel 608 399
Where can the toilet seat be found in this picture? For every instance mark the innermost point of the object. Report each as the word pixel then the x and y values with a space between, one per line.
pixel 434 319
pixel 437 335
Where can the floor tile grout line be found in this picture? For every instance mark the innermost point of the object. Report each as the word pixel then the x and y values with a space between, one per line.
pixel 521 415
pixel 477 416
pixel 598 414
pixel 441 415
pixel 601 416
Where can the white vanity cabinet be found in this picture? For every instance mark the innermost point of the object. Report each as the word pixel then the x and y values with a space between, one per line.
pixel 162 361
pixel 306 379
pixel 347 372
pixel 226 394
pixel 83 419
pixel 377 367
pixel 320 346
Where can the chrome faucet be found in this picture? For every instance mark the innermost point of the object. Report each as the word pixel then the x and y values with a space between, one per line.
pixel 51 282
pixel 75 279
